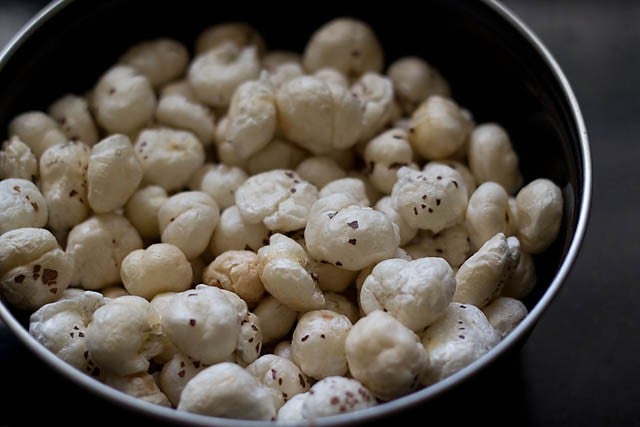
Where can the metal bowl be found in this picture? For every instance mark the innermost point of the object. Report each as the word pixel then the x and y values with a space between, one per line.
pixel 497 67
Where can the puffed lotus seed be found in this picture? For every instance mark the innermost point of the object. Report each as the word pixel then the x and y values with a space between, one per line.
pixel 249 186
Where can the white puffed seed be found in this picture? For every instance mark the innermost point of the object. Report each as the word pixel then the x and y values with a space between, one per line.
pixel 124 334
pixel 276 319
pixel 278 154
pixel 197 267
pixel 462 169
pixel 239 33
pixel 318 116
pixel 282 73
pixel 215 74
pixel 203 323
pixel 505 314
pixel 523 279
pixel 451 244
pixel 161 60
pixel 415 292
pixel 447 169
pixel 439 128
pixel 232 233
pixel 279 374
pixel 285 276
pixel 175 375
pixel 320 170
pixel 142 210
pixel 375 93
pixel 492 157
pixel 179 88
pixel 347 235
pixel 182 113
pixel 406 232
pixel 113 174
pixel 142 386
pixel 160 267
pixel 227 390
pixel 331 75
pixel 252 118
pixel 292 408
pixel 481 278
pixel 98 246
pixel 169 157
pixel 428 200
pixel 280 199
pixel 283 349
pixel 318 343
pixel 33 269
pixel 335 395
pixel 63 182
pixel 112 292
pixel 385 356
pixel 123 100
pixel 539 206
pixel 237 271
pixel 37 130
pixel 75 119
pixel 332 278
pixel 372 194
pixel 219 181
pixel 249 342
pixel 414 80
pixel 488 213
pixel 354 187
pixel 17 160
pixel 224 150
pixel 187 220
pixel 60 326
pixel 457 339
pixel 348 45
pixel 384 154
pixel 340 304
pixel 21 205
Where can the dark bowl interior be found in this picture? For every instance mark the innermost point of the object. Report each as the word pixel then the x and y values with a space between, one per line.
pixel 495 71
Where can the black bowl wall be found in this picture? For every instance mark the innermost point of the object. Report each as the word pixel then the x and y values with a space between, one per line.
pixel 494 70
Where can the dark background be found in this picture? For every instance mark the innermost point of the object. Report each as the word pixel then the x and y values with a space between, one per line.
pixel 581 364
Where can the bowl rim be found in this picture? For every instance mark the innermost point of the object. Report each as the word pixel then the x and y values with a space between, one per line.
pixel 388 408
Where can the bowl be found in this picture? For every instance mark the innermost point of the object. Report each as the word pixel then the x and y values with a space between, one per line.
pixel 497 68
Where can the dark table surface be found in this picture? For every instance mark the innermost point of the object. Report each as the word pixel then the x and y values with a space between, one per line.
pixel 581 364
